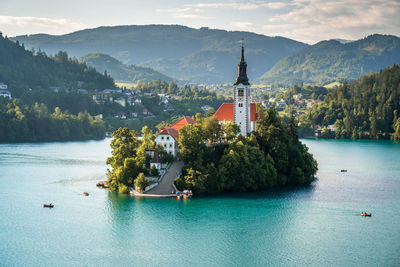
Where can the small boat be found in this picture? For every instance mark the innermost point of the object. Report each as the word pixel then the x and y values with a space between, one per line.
pixel 178 194
pixel 343 170
pixel 48 205
pixel 366 214
pixel 187 194
pixel 102 184
pixel 85 193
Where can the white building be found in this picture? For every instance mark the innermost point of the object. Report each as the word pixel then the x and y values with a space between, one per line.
pixel 5 94
pixel 121 101
pixel 241 111
pixel 3 86
pixel 168 136
pixel 168 139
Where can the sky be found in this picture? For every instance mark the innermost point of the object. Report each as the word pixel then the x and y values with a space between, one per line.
pixel 308 21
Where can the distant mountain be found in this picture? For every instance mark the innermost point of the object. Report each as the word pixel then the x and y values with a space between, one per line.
pixel 199 55
pixel 334 61
pixel 21 69
pixel 121 72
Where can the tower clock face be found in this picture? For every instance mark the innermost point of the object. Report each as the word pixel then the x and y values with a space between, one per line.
pixel 240 98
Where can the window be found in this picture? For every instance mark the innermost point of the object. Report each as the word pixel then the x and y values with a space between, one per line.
pixel 240 123
pixel 170 145
pixel 162 137
pixel 240 92
pixel 165 145
pixel 240 105
pixel 167 137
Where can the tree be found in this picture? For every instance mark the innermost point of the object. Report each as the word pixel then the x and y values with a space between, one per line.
pixel 213 130
pixel 231 130
pixel 141 182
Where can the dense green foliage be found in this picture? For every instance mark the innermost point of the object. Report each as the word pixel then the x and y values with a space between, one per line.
pixel 366 108
pixel 129 160
pixel 141 183
pixel 333 61
pixel 121 72
pixel 23 70
pixel 200 55
pixel 217 160
pixel 34 123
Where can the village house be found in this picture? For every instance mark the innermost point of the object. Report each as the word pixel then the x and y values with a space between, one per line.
pixel 102 97
pixel 120 115
pixel 205 108
pixel 5 94
pixel 121 101
pixel 168 136
pixel 297 97
pixel 281 104
pixel 3 86
pixel 309 102
pixel 146 112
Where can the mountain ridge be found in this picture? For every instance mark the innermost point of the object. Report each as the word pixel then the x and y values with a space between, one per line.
pixel 121 72
pixel 152 45
pixel 331 60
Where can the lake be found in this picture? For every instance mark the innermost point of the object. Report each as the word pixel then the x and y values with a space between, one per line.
pixel 317 225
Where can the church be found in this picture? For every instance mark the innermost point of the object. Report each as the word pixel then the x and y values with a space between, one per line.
pixel 241 111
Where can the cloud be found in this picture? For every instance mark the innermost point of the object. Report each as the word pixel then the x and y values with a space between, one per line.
pixel 239 6
pixel 24 25
pixel 314 20
pixel 243 24
pixel 183 12
pixel 48 22
pixel 242 6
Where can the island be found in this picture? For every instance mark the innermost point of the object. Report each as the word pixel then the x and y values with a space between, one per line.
pixel 242 147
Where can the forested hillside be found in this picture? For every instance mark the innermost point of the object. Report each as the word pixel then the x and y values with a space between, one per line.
pixel 23 70
pixel 331 60
pixel 366 108
pixel 121 72
pixel 200 55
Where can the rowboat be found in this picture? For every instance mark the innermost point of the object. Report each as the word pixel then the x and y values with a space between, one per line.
pixel 85 193
pixel 366 214
pixel 48 205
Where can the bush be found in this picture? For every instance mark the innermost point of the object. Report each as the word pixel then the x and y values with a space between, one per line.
pixel 123 189
pixel 141 182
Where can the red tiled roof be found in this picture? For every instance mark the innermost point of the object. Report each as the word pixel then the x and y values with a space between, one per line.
pixel 225 112
pixel 182 122
pixel 170 131
pixel 253 114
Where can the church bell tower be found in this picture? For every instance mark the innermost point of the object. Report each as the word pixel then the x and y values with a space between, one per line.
pixel 241 94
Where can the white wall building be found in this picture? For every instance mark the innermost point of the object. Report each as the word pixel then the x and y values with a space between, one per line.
pixel 5 94
pixel 168 139
pixel 168 136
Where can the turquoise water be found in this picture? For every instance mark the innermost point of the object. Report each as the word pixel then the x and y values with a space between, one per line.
pixel 318 225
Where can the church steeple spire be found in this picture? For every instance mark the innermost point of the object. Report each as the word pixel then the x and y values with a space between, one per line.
pixel 242 70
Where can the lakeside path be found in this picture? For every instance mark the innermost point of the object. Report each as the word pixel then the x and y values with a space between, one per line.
pixel 165 187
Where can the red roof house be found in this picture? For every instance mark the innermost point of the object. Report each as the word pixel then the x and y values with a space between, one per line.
pixel 183 122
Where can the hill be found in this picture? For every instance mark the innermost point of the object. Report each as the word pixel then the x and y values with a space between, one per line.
pixel 22 69
pixel 332 60
pixel 366 108
pixel 199 55
pixel 121 72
